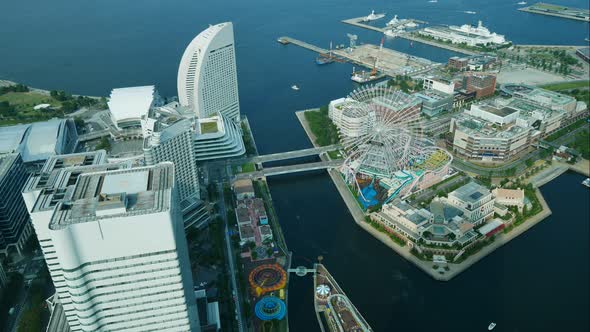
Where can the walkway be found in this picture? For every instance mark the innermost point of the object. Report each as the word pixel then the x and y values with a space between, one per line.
pixel 280 170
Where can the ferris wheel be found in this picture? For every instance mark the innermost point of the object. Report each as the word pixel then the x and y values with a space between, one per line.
pixel 391 139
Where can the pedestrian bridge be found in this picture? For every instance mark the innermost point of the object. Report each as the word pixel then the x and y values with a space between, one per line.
pixel 294 154
pixel 280 170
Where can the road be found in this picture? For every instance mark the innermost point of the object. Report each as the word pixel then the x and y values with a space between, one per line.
pixel 230 260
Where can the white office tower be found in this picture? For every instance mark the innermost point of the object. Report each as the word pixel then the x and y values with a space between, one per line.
pixel 175 144
pixel 120 242
pixel 42 191
pixel 207 76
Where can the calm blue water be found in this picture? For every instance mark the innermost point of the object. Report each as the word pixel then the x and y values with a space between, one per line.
pixel 539 282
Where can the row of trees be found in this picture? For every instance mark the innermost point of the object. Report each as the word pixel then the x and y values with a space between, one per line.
pixel 70 103
pixel 13 88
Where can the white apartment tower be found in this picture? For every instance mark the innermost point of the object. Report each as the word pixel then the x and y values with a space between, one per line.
pixel 120 243
pixel 207 76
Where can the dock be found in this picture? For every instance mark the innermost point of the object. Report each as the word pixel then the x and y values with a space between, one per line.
pixel 289 40
pixel 357 22
pixel 548 9
pixel 389 62
pixel 410 37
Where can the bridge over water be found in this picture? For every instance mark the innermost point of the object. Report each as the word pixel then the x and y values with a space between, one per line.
pixel 280 170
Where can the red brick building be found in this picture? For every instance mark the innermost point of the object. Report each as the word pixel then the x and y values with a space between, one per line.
pixel 483 84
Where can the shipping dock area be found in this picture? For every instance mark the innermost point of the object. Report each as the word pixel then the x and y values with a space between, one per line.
pixel 334 310
pixel 387 61
pixel 358 22
pixel 558 11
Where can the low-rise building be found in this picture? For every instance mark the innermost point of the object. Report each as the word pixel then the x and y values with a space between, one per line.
pixel 243 188
pixel 492 227
pixel 129 107
pixel 509 197
pixel 438 84
pixel 478 139
pixel 434 102
pixel 458 63
pixel 475 200
pixel 484 84
pixel 401 217
pixel 545 98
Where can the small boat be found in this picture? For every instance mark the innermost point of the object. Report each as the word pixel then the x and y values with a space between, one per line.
pixel 491 326
pixel 294 87
pixel 522 3
pixel 586 182
pixel 373 17
pixel 433 1
pixel 470 12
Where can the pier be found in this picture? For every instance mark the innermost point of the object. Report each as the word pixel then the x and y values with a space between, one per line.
pixel 357 22
pixel 387 61
pixel 558 11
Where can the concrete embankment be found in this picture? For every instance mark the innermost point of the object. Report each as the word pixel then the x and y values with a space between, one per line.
pixel 427 266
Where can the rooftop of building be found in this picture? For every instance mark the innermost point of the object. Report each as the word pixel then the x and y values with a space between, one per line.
pixel 499 111
pixel 132 102
pixel 432 95
pixel 471 192
pixel 416 216
pixel 47 176
pixel 242 186
pixel 537 94
pixel 482 128
pixel 503 193
pixel 35 141
pixel 62 186
pixel 117 193
pixel 444 212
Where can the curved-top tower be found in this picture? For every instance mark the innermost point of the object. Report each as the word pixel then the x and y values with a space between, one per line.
pixel 207 77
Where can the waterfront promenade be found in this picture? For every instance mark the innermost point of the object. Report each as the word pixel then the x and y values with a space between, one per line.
pixel 428 266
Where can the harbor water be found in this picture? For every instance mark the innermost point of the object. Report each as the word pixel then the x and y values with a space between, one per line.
pixel 538 282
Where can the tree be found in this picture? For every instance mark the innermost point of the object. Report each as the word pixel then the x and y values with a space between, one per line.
pixel 104 144
pixel 79 122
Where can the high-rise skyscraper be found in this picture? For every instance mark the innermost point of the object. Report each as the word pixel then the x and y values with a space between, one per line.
pixel 120 242
pixel 41 194
pixel 175 143
pixel 14 220
pixel 207 76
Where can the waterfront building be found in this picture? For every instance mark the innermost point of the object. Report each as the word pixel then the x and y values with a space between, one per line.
pixel 434 102
pixel 403 218
pixel 243 188
pixel 120 242
pixel 483 84
pixel 207 76
pixel 129 107
pixel 481 62
pixel 217 137
pixel 475 200
pixel 492 227
pixel 509 197
pixel 433 83
pixel 15 229
pixel 174 143
pixel 465 34
pixel 40 140
pixel 349 122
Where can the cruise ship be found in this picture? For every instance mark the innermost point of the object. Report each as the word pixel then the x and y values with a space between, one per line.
pixel 334 310
pixel 373 17
pixel 466 33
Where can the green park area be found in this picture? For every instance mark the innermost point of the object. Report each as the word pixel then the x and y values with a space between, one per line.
pixel 17 104
pixel 405 83
pixel 322 127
